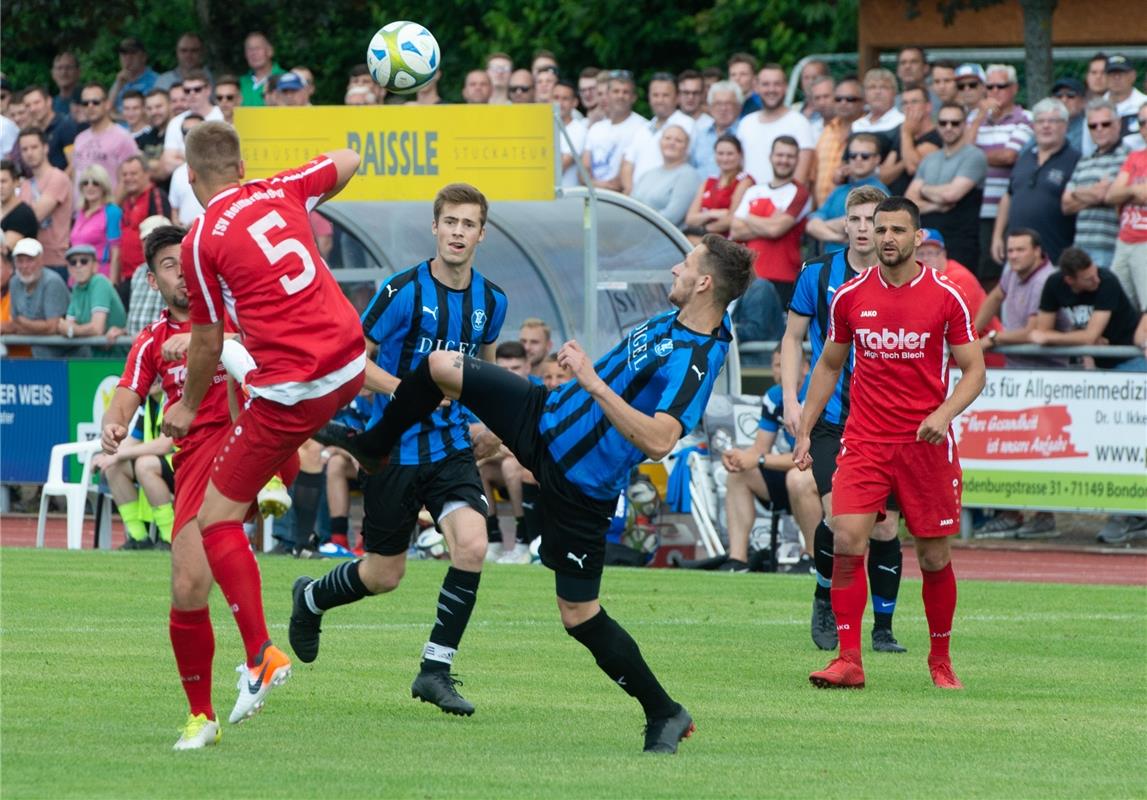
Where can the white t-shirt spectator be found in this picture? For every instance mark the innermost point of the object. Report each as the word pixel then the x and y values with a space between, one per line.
pixel 645 150
pixel 173 137
pixel 577 129
pixel 182 198
pixel 607 143
pixel 885 122
pixel 757 139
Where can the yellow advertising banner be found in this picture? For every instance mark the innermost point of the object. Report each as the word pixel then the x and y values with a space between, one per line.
pixel 410 152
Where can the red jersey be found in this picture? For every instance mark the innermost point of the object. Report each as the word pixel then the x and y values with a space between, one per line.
pixel 145 362
pixel 253 257
pixel 899 336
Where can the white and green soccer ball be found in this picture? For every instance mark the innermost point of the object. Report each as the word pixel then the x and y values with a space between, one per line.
pixel 403 56
pixel 431 544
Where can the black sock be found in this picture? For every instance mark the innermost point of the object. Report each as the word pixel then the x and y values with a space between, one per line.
pixel 340 586
pixel 822 550
pixel 339 526
pixel 884 563
pixel 521 532
pixel 416 397
pixel 620 658
pixel 306 493
pixel 456 601
pixel 532 509
pixel 494 529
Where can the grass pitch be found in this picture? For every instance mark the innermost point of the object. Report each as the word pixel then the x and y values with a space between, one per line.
pixel 90 704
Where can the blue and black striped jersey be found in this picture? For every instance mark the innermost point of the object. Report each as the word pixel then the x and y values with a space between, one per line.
pixel 661 366
pixel 812 297
pixel 413 315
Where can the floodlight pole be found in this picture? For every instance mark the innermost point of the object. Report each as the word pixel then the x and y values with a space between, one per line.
pixel 589 238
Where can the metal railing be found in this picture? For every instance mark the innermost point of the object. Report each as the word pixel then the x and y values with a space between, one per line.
pixel 1101 351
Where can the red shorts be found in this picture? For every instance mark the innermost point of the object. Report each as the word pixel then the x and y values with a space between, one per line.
pixel 925 479
pixel 265 437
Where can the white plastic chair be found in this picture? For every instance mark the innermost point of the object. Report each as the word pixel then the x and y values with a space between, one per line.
pixel 76 494
pixel 703 503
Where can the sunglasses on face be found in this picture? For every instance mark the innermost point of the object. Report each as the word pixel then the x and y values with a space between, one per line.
pixel 521 89
pixel 1097 125
pixel 91 102
pixel 81 261
pixel 225 98
pixel 862 156
pixel 89 182
pixel 949 123
pixel 972 85
pixel 841 98
pixel 195 89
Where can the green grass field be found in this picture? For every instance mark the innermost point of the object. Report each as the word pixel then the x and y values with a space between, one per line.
pixel 1056 704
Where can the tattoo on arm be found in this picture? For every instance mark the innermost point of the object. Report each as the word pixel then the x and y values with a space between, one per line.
pixel 459 360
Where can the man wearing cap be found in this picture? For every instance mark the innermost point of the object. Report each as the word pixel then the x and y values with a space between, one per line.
pixel 1000 128
pixel 1097 219
pixel 134 72
pixel 39 297
pixel 1071 92
pixel 1121 91
pixel 94 306
pixel 970 90
pixel 293 89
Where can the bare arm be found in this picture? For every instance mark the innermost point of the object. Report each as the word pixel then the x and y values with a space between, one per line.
pixel 626 176
pixel 821 386
pixel 792 357
pixel 914 192
pixel 891 167
pixel 804 167
pixel 970 358
pixel 827 230
pixel 45 327
pixel 999 252
pixel 773 227
pixel 1002 157
pixel 654 436
pixel 113 427
pixel 1045 334
pixel 346 164
pixel 695 217
pixel 1121 190
pixel 95 327
pixel 989 308
pixel 948 193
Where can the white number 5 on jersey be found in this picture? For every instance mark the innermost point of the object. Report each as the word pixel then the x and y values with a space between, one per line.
pixel 275 252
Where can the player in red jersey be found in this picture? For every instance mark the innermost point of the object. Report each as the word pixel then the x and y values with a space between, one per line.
pixel 252 257
pixel 900 317
pixel 158 354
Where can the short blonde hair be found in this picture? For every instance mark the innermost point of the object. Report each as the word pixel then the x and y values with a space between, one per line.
pixel 99 175
pixel 212 150
pixel 536 322
pixel 878 75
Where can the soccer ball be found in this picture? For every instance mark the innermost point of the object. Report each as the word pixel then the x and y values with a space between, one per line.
pixel 431 544
pixel 403 57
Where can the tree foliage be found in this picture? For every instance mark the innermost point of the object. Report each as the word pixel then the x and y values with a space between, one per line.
pixel 330 37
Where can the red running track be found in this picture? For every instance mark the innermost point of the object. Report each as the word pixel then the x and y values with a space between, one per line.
pixel 1033 564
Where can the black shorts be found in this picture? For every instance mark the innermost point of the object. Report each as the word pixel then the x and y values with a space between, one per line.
pixel 393 496
pixel 778 491
pixel 573 523
pixel 824 446
pixel 168 474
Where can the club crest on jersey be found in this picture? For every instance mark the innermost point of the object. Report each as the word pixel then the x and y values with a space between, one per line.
pixel 663 348
pixel 478 320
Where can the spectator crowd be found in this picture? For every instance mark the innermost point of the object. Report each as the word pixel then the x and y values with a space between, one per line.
pixel 1040 213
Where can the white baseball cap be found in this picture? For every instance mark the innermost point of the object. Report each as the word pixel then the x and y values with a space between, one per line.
pixel 28 247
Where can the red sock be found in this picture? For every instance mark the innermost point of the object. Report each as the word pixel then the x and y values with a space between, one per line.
pixel 193 642
pixel 234 568
pixel 849 598
pixel 939 593
pixel 340 539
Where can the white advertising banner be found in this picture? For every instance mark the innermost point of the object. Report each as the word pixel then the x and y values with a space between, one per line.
pixel 1056 440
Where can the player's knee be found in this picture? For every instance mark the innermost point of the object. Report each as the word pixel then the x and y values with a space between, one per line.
pixel 933 554
pixel 380 574
pixel 189 587
pixel 887 529
pixel 146 466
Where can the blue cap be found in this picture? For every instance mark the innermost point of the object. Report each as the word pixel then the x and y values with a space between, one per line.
pixel 971 70
pixel 291 82
pixel 932 236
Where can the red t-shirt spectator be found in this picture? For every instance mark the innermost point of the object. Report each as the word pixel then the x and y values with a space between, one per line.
pixel 715 197
pixel 149 202
pixel 975 294
pixel 1133 216
pixel 779 259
